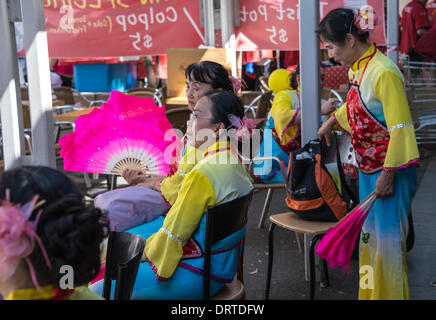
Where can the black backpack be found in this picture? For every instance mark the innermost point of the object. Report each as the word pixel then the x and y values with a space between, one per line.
pixel 312 191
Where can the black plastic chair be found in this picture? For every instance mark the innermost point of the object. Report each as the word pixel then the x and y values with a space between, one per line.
pixel 124 252
pixel 222 221
pixel 178 117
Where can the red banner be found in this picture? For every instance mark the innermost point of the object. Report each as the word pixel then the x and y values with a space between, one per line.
pixel 274 24
pixel 113 28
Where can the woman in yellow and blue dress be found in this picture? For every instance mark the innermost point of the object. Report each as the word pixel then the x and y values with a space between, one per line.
pixel 174 253
pixel 157 194
pixel 45 226
pixel 377 116
pixel 282 131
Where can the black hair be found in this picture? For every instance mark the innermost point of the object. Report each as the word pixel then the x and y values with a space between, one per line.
pixel 223 104
pixel 337 24
pixel 70 230
pixel 211 73
pixel 293 81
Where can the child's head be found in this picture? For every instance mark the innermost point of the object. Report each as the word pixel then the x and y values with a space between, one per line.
pixel 70 231
pixel 279 79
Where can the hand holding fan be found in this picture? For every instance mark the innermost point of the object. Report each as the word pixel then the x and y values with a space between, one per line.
pixel 337 245
pixel 125 132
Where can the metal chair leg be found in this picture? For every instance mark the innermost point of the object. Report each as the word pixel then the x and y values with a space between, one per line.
pixel 87 178
pixel 270 259
pixel 313 242
pixel 111 180
pixel 325 273
pixel 300 240
pixel 265 208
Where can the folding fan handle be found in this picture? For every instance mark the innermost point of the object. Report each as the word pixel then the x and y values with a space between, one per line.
pixel 119 171
pixel 358 207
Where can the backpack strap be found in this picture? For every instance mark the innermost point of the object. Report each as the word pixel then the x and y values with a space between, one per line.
pixel 342 176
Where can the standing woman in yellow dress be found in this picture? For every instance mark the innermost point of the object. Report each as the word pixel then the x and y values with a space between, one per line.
pixel 377 116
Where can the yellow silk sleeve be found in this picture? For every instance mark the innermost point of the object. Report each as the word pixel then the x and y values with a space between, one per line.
pixel 170 186
pixel 342 119
pixel 284 116
pixel 164 249
pixel 402 149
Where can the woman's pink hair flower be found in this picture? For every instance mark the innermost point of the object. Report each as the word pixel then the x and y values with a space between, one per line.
pixel 244 127
pixel 365 20
pixel 17 238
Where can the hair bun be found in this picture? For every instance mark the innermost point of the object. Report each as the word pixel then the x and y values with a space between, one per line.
pixel 72 232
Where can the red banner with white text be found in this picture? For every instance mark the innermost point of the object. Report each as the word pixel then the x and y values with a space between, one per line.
pixel 274 24
pixel 113 28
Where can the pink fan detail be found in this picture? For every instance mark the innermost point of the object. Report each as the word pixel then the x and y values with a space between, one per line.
pixel 337 245
pixel 125 132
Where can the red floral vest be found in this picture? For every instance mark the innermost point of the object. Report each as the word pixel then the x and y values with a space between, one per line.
pixel 370 138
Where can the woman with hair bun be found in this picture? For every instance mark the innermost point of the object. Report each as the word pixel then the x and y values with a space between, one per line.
pixel 44 226
pixel 151 197
pixel 174 253
pixel 377 116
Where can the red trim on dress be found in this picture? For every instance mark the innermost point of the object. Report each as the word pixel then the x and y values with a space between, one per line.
pixel 60 294
pixel 166 201
pixel 197 270
pixel 414 163
pixel 158 277
pixel 290 122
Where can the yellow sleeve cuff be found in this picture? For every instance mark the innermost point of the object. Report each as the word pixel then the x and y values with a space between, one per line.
pixel 402 150
pixel 341 118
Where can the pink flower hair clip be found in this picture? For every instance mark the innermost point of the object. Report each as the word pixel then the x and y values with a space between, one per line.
pixel 237 84
pixel 244 126
pixel 365 20
pixel 18 236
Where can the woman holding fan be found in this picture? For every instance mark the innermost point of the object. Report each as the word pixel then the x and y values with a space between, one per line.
pixel 157 194
pixel 175 252
pixel 377 116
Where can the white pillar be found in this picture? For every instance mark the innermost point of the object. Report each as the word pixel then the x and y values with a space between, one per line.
pixel 209 24
pixel 11 115
pixel 310 85
pixel 309 70
pixel 228 32
pixel 38 73
pixel 392 40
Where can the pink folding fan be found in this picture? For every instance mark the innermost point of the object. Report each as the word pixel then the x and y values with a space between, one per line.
pixel 337 245
pixel 125 132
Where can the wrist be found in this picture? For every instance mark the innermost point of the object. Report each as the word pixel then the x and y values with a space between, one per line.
pixel 388 174
pixel 330 122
